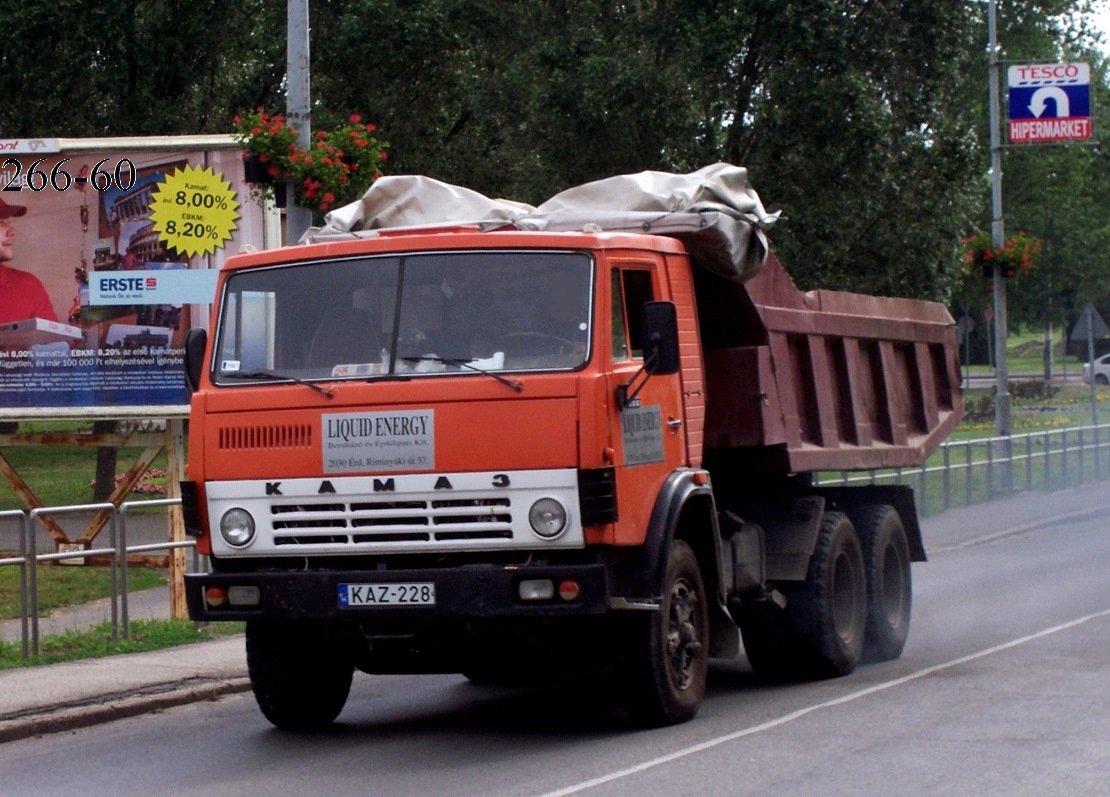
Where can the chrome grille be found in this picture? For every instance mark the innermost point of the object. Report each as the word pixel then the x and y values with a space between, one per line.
pixel 401 513
pixel 393 521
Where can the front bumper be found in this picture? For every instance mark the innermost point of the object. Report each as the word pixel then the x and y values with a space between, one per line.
pixel 472 591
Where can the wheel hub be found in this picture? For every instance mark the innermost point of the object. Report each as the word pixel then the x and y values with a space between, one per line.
pixel 683 644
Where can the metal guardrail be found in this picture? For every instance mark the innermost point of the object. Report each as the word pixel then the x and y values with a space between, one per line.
pixel 973 471
pixel 966 472
pixel 117 552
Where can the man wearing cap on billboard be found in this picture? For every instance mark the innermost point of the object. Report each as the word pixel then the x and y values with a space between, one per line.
pixel 22 295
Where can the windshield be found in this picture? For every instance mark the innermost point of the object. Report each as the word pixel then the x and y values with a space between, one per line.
pixel 444 312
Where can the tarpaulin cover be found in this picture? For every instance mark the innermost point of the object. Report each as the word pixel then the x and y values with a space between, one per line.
pixel 714 211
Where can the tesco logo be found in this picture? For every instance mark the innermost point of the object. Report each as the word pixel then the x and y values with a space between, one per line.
pixel 1051 72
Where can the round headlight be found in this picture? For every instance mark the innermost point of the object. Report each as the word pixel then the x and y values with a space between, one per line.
pixel 237 527
pixel 548 518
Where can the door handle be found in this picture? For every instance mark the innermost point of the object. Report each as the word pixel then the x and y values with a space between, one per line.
pixel 675 423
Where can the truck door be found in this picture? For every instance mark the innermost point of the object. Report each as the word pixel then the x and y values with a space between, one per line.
pixel 648 434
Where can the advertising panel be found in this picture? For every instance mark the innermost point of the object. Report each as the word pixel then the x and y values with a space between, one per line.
pixel 1049 103
pixel 107 258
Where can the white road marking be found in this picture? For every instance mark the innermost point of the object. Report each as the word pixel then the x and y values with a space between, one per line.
pixel 802 712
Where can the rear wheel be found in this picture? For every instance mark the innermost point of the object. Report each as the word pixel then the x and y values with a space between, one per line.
pixel 299 672
pixel 665 677
pixel 828 613
pixel 886 560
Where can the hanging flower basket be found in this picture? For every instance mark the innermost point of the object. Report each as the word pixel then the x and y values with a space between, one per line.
pixel 337 167
pixel 1015 256
pixel 254 170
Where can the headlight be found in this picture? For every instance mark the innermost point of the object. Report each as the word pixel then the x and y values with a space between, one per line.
pixel 548 518
pixel 237 527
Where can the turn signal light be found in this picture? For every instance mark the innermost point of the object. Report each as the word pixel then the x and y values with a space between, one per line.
pixel 215 597
pixel 569 589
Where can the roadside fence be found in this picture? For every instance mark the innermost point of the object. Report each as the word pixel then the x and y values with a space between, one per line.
pixel 960 473
pixel 965 472
pixel 29 559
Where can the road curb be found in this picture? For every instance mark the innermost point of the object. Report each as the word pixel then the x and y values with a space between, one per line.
pixel 110 707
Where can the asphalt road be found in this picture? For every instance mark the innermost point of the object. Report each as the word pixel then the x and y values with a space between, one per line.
pixel 1004 688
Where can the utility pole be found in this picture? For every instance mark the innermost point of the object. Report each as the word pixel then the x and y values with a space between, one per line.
pixel 1002 395
pixel 297 106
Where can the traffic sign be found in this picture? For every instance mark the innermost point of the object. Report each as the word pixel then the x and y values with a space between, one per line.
pixel 1049 102
pixel 1090 324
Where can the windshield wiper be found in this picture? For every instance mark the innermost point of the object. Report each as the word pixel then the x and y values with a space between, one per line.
pixel 466 362
pixel 263 374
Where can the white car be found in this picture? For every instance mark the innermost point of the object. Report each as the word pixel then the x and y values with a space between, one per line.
pixel 1101 369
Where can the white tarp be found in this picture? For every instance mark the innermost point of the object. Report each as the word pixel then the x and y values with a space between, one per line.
pixel 714 211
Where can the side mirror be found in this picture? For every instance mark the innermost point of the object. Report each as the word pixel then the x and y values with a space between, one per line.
pixel 659 324
pixel 196 341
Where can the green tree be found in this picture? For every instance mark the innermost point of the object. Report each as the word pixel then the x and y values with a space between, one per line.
pixel 77 68
pixel 864 122
pixel 1056 193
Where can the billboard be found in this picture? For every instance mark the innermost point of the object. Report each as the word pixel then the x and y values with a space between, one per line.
pixel 1049 103
pixel 107 258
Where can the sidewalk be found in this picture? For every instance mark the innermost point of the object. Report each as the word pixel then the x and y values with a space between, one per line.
pixel 57 697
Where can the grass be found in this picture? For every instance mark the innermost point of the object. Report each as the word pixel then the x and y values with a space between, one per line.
pixel 63 476
pixel 96 642
pixel 67 585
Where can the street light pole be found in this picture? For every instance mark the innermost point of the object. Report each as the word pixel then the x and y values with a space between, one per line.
pixel 1002 395
pixel 297 106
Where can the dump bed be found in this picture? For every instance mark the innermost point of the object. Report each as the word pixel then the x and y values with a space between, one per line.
pixel 825 380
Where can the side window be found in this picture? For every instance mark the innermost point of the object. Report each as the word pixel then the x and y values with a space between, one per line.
pixel 631 288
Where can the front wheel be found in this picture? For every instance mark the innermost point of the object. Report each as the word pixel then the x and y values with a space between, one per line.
pixel 299 672
pixel 665 677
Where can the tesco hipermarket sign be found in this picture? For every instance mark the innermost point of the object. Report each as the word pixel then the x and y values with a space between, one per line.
pixel 1049 102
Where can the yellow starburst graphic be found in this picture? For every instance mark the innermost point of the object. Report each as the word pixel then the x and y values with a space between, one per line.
pixel 194 211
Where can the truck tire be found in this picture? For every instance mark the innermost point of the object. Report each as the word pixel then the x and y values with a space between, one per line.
pixel 828 613
pixel 300 674
pixel 886 562
pixel 665 675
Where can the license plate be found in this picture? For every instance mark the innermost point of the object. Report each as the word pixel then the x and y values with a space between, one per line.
pixel 396 594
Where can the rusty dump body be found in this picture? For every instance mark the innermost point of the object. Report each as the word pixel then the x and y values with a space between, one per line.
pixel 824 380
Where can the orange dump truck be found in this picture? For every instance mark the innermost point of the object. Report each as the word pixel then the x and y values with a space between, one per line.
pixel 556 440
